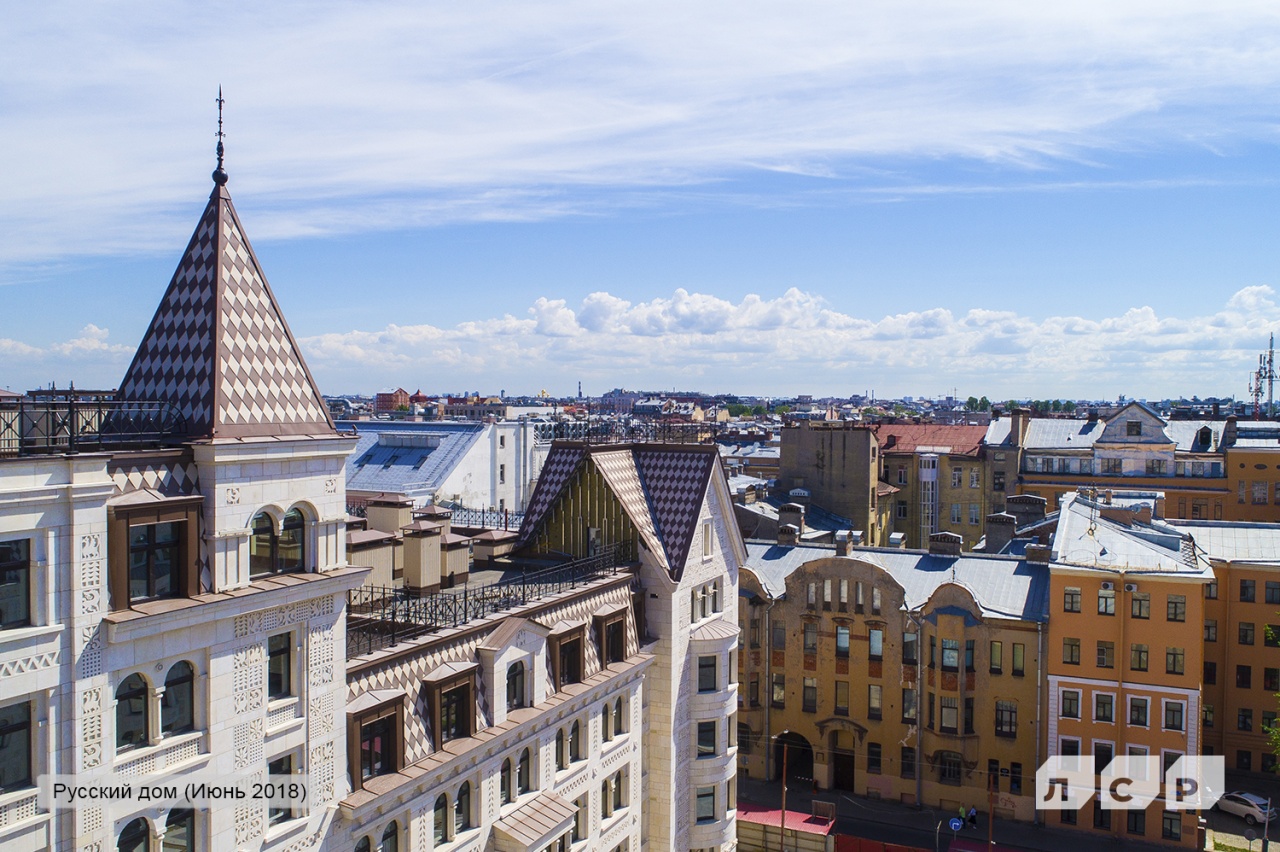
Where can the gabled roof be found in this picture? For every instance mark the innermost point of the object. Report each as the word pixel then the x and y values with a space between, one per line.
pixel 218 347
pixel 929 437
pixel 660 486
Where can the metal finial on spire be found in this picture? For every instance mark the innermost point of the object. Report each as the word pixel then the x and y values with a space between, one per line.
pixel 220 176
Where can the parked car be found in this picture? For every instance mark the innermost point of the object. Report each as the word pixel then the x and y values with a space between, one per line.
pixel 1252 808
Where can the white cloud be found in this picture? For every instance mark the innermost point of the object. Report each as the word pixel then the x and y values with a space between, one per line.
pixel 794 343
pixel 346 117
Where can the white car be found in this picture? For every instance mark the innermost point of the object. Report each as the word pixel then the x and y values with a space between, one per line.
pixel 1252 808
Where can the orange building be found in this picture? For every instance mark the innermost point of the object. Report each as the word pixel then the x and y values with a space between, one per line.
pixel 1125 653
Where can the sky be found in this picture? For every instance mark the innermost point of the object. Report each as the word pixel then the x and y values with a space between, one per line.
pixel 986 198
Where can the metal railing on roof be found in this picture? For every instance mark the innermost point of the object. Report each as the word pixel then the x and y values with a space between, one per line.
pixel 45 422
pixel 381 616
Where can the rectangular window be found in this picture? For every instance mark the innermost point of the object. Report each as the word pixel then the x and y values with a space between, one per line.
pixel 1259 489
pixel 1271 591
pixel 1140 605
pixel 908 704
pixel 1206 714
pixel 708 540
pixel 706 739
pixel 1136 822
pixel 1244 719
pixel 950 655
pixel 1020 659
pixel 1246 633
pixel 826 594
pixel 968 655
pixel 1271 680
pixel 502 474
pixel 1155 467
pixel 753 694
pixel 975 480
pixel 1071 652
pixel 153 561
pixel 378 747
pixel 810 695
pixel 950 714
pixel 1210 672
pixel 1106 655
pixel 1113 467
pixel 15 747
pixel 875 700
pixel 1171 825
pixel 1106 602
pixel 1070 704
pixel 909 642
pixel 707 673
pixel 957 477
pixel 875 601
pixel 1210 630
pixel 1247 591
pixel 1104 707
pixel 844 595
pixel 15 584
pixel 975 514
pixel 1138 712
pixel 779 631
pixel 996 653
pixel 1138 658
pixel 1177 608
pixel 1211 590
pixel 706 804
pixel 858 600
pixel 875 643
pixel 907 761
pixel 813 595
pixel 873 758
pixel 956 511
pixel 1244 760
pixel 810 638
pixel 842 640
pixel 455 714
pixel 280 665
pixel 1133 428
pixel 1271 636
pixel 779 695
pixel 997 480
pixel 1174 660
pixel 1244 677
pixel 842 698
pixel 280 766
pixel 901 509
pixel 569 658
pixel 1173 715
pixel 1006 718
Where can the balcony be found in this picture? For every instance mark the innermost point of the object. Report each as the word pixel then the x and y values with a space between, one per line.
pixel 46 422
pixel 381 616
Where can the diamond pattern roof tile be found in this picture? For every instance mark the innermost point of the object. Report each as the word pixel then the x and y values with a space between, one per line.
pixel 218 347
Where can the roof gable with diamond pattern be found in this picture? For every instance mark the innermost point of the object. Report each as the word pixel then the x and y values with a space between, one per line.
pixel 218 347
pixel 559 467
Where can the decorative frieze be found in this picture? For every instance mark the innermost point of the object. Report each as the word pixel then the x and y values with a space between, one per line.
pixel 36 662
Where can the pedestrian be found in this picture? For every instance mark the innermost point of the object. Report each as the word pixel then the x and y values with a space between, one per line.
pixel 973 817
pixel 961 812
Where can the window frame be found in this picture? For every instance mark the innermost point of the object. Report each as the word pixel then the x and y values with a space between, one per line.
pixel 183 511
pixel 15 561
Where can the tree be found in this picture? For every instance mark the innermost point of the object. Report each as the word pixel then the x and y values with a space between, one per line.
pixel 971 404
pixel 984 404
pixel 782 409
pixel 1057 405
pixel 737 409
pixel 758 410
pixel 1068 406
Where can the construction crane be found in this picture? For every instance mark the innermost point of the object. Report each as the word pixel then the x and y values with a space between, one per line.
pixel 1266 373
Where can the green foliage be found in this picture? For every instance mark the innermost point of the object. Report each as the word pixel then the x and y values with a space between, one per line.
pixel 737 409
pixel 758 410
pixel 781 409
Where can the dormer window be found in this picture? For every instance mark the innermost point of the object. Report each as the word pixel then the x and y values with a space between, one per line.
pixel 515 686
pixel 1133 428
pixel 451 702
pixel 151 551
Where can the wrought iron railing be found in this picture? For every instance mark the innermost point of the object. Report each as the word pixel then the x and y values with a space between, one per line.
pixel 73 422
pixel 381 616
pixel 490 519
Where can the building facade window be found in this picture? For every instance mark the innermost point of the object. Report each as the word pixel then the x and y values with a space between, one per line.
pixel 154 561
pixel 875 701
pixel 1177 608
pixel 707 670
pixel 1071 599
pixel 705 798
pixel 280 766
pixel 1071 651
pixel 177 705
pixel 15 747
pixel 15 584
pixel 1138 657
pixel 280 666
pixel 842 698
pixel 1174 712
pixel 1246 633
pixel 1138 712
pixel 1006 718
pixel 1106 655
pixel 810 695
pixel 1140 605
pixel 1175 660
pixel 272 553
pixel 515 686
pixel 132 713
pixel 1070 704
pixel 1104 708
pixel 1210 630
pixel 1107 602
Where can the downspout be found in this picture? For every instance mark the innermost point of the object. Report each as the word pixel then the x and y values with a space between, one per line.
pixel 919 710
pixel 1040 687
pixel 768 688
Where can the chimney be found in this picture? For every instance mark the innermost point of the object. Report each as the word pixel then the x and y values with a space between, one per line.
pixel 792 514
pixel 945 544
pixel 1093 414
pixel 1217 411
pixel 1229 432
pixel 787 535
pixel 855 538
pixel 1038 553
pixel 999 532
pixel 422 556
pixel 842 543
pixel 898 540
pixel 1026 509
pixel 389 512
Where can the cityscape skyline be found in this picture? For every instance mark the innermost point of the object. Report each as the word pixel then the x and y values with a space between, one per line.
pixel 1005 201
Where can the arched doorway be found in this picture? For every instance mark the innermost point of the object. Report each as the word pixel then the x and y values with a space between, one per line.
pixel 794 751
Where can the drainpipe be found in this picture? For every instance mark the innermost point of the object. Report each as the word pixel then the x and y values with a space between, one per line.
pixel 768 689
pixel 1039 696
pixel 920 706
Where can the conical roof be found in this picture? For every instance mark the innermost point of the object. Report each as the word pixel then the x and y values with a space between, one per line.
pixel 219 349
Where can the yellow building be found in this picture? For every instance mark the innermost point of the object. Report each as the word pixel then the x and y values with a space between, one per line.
pixel 835 464
pixel 1124 653
pixel 897 674
pixel 1241 649
pixel 941 477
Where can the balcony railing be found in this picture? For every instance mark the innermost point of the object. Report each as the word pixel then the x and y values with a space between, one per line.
pixel 381 616
pixel 71 421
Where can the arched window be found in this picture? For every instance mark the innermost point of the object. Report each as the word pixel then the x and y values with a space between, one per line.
pixel 606 728
pixel 441 819
pixel 523 772
pixel 562 750
pixel 276 554
pixel 364 844
pixel 462 808
pixel 515 686
pixel 179 831
pixel 390 838
pixel 135 837
pixel 176 707
pixel 575 742
pixel 606 800
pixel 505 781
pixel 618 726
pixel 131 713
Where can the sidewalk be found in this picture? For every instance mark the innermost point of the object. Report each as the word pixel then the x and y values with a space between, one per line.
pixel 851 811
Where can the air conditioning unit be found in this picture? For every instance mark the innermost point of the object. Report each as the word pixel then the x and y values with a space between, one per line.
pixel 1131 587
pixel 1107 587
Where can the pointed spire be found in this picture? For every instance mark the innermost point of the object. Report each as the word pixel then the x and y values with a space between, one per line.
pixel 220 176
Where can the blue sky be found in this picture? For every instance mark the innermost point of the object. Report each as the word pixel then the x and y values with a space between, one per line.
pixel 824 198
